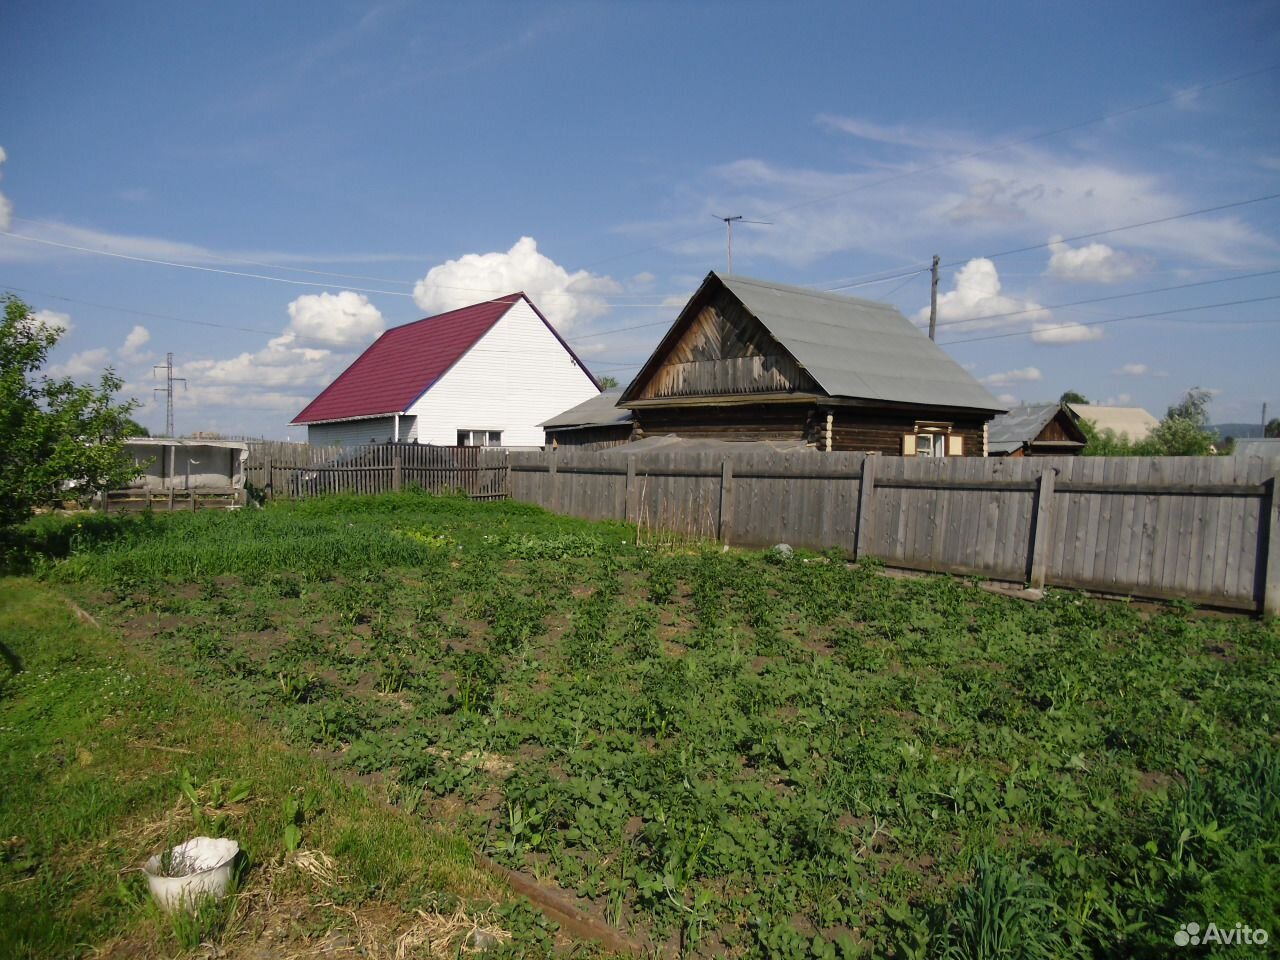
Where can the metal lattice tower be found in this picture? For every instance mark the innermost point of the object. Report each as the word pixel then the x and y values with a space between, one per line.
pixel 167 389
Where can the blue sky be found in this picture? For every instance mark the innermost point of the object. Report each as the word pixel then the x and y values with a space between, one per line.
pixel 396 160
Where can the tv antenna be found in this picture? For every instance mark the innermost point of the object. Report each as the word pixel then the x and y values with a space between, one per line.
pixel 169 381
pixel 728 234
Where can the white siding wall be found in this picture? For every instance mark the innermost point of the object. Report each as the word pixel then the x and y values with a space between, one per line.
pixel 515 377
pixel 352 433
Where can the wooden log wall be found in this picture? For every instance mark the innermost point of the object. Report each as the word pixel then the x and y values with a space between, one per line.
pixel 1201 528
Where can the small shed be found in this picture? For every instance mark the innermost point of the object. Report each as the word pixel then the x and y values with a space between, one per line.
pixel 591 425
pixel 178 464
pixel 1036 430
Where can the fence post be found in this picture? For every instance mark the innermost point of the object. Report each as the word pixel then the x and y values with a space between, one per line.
pixel 1271 573
pixel 628 509
pixel 397 474
pixel 554 493
pixel 1040 530
pixel 726 498
pixel 171 499
pixel 866 491
pixel 268 493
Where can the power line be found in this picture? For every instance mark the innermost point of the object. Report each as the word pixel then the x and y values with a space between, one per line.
pixel 1098 323
pixel 1079 236
pixel 262 263
pixel 156 261
pixel 967 156
pixel 1115 296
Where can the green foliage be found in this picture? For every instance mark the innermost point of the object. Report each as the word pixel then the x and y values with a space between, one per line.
pixel 752 754
pixel 1272 429
pixel 1071 396
pixel 60 439
pixel 1184 432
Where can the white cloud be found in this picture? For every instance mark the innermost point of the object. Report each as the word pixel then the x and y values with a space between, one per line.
pixel 977 302
pixel 1008 398
pixel 138 338
pixel 1134 370
pixel 897 135
pixel 1063 333
pixel 337 319
pixel 86 363
pixel 982 196
pixel 1119 400
pixel 6 208
pixel 1009 377
pixel 54 319
pixel 566 298
pixel 1094 263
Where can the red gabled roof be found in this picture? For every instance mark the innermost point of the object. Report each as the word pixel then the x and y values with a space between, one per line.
pixel 404 362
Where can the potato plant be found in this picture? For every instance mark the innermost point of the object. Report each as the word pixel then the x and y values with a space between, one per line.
pixel 741 753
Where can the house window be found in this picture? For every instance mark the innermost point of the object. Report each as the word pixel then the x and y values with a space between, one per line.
pixel 932 440
pixel 479 438
pixel 931 445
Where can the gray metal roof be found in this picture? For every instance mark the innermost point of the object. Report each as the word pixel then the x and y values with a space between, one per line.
pixel 601 410
pixel 858 348
pixel 1021 424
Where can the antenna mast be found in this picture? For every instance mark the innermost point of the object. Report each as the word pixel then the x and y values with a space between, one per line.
pixel 728 235
pixel 169 381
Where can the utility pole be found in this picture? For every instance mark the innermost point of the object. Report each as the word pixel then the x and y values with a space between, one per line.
pixel 933 302
pixel 169 380
pixel 1264 418
pixel 728 235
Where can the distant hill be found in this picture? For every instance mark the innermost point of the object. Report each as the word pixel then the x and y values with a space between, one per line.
pixel 1238 430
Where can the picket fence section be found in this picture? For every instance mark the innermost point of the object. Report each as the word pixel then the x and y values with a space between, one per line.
pixel 294 470
pixel 1201 528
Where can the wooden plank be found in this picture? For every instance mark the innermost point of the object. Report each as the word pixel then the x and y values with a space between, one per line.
pixel 866 494
pixel 1172 489
pixel 726 499
pixel 944 483
pixel 1041 529
pixel 1271 571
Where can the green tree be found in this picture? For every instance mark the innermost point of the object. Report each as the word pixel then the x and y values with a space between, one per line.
pixel 1272 429
pixel 132 428
pixel 608 383
pixel 1184 432
pixel 1072 396
pixel 59 438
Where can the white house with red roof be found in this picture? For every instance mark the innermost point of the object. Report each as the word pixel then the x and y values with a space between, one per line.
pixel 484 375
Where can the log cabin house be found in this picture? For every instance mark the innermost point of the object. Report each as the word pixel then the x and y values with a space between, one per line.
pixel 751 360
pixel 1036 430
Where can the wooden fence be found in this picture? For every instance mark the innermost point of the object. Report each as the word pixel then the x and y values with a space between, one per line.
pixel 293 470
pixel 1201 528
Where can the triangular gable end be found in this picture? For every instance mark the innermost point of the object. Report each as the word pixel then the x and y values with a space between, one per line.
pixel 717 347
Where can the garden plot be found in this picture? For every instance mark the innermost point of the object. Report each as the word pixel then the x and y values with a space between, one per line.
pixel 738 753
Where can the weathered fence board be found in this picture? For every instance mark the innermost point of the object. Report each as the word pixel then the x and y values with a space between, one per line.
pixel 290 470
pixel 1200 528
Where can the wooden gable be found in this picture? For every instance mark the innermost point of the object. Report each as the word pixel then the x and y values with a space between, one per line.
pixel 1061 428
pixel 718 348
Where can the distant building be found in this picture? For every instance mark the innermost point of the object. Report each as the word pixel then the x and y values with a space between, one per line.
pixel 1132 423
pixel 591 425
pixel 485 375
pixel 752 360
pixel 1036 430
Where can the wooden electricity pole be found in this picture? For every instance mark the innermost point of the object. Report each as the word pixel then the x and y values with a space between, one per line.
pixel 933 301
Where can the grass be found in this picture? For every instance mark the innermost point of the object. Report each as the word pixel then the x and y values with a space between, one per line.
pixel 731 753
pixel 108 758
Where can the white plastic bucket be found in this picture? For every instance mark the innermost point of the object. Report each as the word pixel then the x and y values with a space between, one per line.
pixel 205 867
